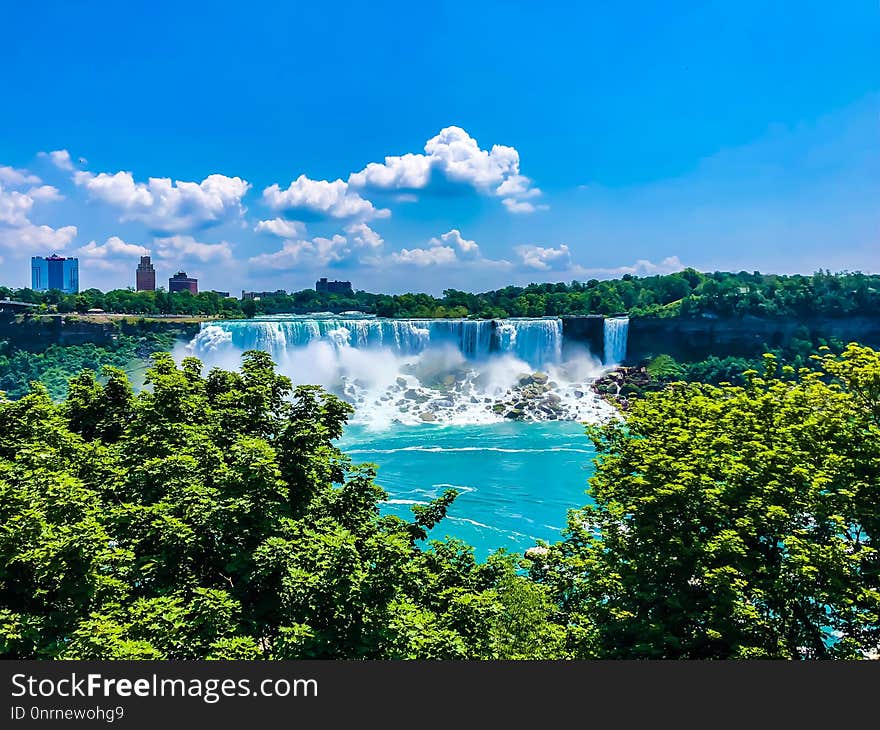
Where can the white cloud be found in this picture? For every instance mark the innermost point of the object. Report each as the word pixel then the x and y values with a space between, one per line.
pixel 518 186
pixel 521 206
pixel 15 207
pixel 448 249
pixel 542 258
pixel 361 244
pixel 281 228
pixel 114 255
pixel 16 178
pixel 317 251
pixel 459 158
pixel 178 248
pixel 362 236
pixel 44 194
pixel 17 231
pixel 642 267
pixel 433 256
pixel 59 158
pixel 333 199
pixel 31 237
pixel 454 239
pixel 408 172
pixel 167 206
pixel 112 247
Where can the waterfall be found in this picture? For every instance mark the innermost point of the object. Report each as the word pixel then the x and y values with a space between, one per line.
pixel 616 331
pixel 535 341
pixel 418 371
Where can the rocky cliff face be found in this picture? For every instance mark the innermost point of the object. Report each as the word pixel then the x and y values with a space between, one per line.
pixel 39 332
pixel 696 339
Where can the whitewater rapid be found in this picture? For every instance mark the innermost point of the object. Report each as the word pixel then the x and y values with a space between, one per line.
pixel 410 371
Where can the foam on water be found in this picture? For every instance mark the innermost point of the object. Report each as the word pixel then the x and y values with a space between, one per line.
pixel 419 370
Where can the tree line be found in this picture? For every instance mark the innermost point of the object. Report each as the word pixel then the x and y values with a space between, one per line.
pixel 213 516
pixel 688 293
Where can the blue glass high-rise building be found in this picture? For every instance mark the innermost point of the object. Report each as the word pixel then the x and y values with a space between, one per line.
pixel 55 272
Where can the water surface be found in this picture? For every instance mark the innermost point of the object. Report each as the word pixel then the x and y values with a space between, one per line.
pixel 516 480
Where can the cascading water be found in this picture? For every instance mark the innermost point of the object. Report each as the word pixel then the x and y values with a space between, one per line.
pixel 535 341
pixel 420 370
pixel 615 335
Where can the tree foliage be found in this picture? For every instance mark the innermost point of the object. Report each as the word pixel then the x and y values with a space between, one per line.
pixel 688 293
pixel 732 522
pixel 212 516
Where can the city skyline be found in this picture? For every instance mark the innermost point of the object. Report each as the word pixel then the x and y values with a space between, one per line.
pixel 635 142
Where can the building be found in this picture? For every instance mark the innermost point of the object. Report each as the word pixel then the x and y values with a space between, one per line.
pixel 145 276
pixel 245 295
pixel 333 287
pixel 55 272
pixel 224 294
pixel 181 282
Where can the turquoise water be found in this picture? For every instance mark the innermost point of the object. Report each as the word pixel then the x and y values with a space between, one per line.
pixel 516 480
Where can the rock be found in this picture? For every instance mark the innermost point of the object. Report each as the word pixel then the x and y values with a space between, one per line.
pixel 537 551
pixel 552 399
pixel 427 416
pixel 401 382
pixel 579 394
pixel 499 408
pixel 540 378
pixel 412 394
pixel 514 413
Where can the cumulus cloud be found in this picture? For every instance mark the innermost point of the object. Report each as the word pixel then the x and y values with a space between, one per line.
pixel 457 157
pixel 114 255
pixel 17 231
pixel 541 258
pixel 166 206
pixel 409 171
pixel 32 237
pixel 361 244
pixel 447 249
pixel 455 240
pixel 112 247
pixel 59 158
pixel 16 178
pixel 425 256
pixel 362 236
pixel 180 248
pixel 316 251
pixel 281 228
pixel 332 199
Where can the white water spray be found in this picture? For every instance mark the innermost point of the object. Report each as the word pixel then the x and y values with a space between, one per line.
pixel 421 370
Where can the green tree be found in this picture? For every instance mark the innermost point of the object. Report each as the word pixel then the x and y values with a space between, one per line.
pixel 212 516
pixel 732 522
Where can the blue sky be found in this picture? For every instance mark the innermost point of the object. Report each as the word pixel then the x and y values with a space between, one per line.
pixel 524 143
